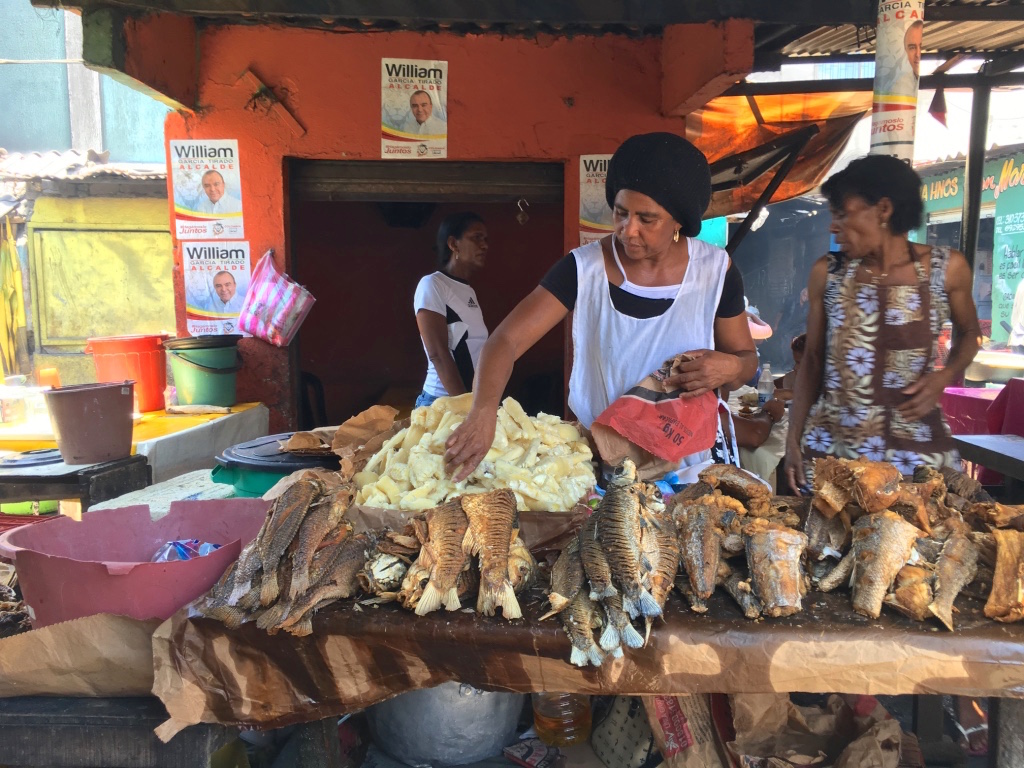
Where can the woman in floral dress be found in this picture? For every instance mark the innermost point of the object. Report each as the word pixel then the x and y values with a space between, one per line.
pixel 867 385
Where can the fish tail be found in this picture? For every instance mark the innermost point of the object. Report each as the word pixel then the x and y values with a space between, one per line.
pixel 469 545
pixel 504 597
pixel 630 606
pixel 594 655
pixel 270 590
pixel 558 602
pixel 608 591
pixel 632 638
pixel 578 657
pixel 616 652
pixel 273 616
pixel 303 628
pixel 647 604
pixel 430 600
pixel 230 616
pixel 609 637
pixel 452 602
pixel 300 583
pixel 943 614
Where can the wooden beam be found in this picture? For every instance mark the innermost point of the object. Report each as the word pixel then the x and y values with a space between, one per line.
pixel 599 12
pixel 928 82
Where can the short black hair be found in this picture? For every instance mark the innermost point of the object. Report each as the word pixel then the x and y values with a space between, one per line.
pixel 799 343
pixel 455 226
pixel 877 176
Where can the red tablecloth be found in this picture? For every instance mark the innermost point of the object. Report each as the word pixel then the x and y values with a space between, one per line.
pixel 966 409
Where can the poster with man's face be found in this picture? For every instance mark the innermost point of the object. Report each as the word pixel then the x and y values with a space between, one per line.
pixel 595 215
pixel 413 109
pixel 217 278
pixel 898 39
pixel 207 184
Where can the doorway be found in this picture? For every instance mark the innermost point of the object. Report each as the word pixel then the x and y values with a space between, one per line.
pixel 362 235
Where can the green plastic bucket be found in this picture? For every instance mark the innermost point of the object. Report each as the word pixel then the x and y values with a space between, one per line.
pixel 204 369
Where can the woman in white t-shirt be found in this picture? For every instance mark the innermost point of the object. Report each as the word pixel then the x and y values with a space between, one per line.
pixel 447 311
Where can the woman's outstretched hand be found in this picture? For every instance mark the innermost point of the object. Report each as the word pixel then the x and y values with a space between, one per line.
pixel 469 443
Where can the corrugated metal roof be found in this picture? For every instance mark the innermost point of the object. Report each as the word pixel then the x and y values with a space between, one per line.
pixel 939 37
pixel 72 166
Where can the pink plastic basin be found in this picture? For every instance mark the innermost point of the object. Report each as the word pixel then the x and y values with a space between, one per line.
pixel 70 569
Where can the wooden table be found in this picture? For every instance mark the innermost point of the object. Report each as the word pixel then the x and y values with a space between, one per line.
pixel 91 483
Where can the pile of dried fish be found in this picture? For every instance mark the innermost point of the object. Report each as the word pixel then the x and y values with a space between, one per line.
pixel 620 567
pixel 14 616
pixel 306 556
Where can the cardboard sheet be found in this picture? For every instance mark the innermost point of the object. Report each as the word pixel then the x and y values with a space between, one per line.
pixel 100 655
pixel 354 658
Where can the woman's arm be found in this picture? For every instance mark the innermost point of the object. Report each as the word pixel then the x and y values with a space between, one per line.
pixel 534 316
pixel 434 332
pixel 731 364
pixel 926 392
pixel 809 376
pixel 752 431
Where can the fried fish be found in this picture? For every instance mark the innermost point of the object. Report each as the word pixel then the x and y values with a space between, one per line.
pixel 1006 600
pixel 912 592
pixel 742 485
pixel 700 547
pixel 774 555
pixel 956 568
pixel 579 622
pixel 290 509
pixel 595 563
pixel 318 523
pixel 492 520
pixel 447 526
pixel 882 545
pixel 566 577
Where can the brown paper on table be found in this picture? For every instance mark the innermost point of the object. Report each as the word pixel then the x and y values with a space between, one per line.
pixel 362 428
pixel 355 658
pixel 101 655
pixel 770 726
pixel 879 747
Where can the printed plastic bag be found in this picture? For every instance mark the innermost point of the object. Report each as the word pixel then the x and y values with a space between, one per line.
pixel 653 427
pixel 275 305
pixel 186 549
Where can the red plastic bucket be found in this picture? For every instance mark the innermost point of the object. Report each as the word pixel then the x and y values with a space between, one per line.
pixel 134 358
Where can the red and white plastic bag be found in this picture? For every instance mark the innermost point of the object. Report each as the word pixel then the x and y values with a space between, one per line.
pixel 275 305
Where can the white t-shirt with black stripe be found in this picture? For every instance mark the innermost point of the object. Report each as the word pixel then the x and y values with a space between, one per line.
pixel 455 300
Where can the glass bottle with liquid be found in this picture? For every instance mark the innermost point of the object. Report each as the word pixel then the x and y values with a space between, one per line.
pixel 561 719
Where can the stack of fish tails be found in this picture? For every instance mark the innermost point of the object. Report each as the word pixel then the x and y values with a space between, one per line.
pixel 620 567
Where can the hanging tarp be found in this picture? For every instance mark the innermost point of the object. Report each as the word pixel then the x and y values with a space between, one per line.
pixel 731 125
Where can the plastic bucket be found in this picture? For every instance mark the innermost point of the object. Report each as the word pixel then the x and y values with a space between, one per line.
pixel 137 358
pixel 92 422
pixel 204 369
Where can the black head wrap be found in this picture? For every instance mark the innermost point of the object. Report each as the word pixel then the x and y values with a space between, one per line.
pixel 669 170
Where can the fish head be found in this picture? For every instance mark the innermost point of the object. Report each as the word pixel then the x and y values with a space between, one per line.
pixel 624 474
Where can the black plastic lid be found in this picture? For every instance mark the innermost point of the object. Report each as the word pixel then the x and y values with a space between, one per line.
pixel 37 458
pixel 203 342
pixel 264 455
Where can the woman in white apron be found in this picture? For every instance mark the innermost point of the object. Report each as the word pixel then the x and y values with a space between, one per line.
pixel 639 296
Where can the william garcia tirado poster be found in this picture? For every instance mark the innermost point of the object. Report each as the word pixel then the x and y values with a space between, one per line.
pixel 207 189
pixel 216 280
pixel 413 109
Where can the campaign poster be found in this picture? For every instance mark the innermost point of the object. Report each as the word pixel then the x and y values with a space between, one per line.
pixel 413 109
pixel 217 278
pixel 1008 253
pixel 207 186
pixel 897 71
pixel 595 215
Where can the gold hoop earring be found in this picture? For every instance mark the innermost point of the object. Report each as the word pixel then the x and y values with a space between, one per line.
pixel 675 236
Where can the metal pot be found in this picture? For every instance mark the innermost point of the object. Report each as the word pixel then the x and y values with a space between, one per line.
pixel 452 724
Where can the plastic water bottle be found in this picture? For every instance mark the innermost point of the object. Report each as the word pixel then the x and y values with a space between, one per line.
pixel 561 719
pixel 765 385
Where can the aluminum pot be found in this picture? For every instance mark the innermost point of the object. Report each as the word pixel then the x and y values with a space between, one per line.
pixel 452 724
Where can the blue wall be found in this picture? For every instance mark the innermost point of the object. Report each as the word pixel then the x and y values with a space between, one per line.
pixel 34 97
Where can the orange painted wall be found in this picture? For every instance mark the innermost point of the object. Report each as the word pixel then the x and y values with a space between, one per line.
pixel 509 99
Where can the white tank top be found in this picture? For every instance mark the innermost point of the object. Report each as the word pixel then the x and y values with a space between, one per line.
pixel 612 351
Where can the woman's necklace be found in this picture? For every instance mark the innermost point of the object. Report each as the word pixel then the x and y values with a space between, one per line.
pixel 876 278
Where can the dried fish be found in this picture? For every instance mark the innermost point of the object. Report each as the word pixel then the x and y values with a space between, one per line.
pixel 492 520
pixel 1006 601
pixel 618 629
pixel 826 537
pixel 595 563
pixel 700 546
pixel 912 592
pixel 774 555
pixel 666 564
pixel 741 591
pixel 742 485
pixel 962 485
pixel 320 521
pixel 446 526
pixel 579 622
pixel 957 567
pixel 382 573
pixel 290 509
pixel 882 545
pixel 522 567
pixel 566 578
pixel 619 527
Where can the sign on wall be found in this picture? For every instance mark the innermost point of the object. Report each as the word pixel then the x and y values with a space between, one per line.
pixel 595 215
pixel 1008 253
pixel 413 109
pixel 207 186
pixel 216 279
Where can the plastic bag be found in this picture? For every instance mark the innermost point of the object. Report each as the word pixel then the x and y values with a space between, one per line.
pixel 275 305
pixel 186 549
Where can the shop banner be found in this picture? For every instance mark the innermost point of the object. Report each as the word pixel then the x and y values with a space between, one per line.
pixel 1008 253
pixel 413 109
pixel 595 215
pixel 897 69
pixel 207 189
pixel 216 280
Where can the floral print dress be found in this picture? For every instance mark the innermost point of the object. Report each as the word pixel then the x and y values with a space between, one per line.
pixel 879 340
